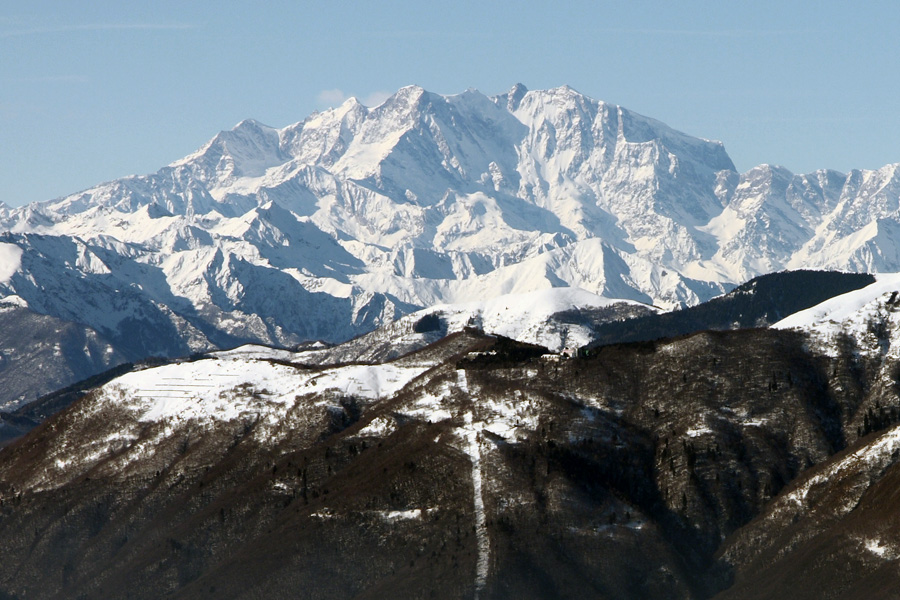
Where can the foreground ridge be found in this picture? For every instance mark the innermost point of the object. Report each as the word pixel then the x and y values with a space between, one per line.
pixel 468 464
pixel 706 465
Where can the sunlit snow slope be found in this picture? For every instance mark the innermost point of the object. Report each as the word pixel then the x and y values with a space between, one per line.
pixel 869 318
pixel 355 216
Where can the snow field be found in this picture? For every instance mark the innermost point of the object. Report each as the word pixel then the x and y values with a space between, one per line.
pixel 211 391
pixel 224 389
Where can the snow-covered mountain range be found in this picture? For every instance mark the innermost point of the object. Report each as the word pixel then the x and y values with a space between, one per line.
pixel 355 216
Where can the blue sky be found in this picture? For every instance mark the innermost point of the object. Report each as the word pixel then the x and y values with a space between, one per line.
pixel 92 91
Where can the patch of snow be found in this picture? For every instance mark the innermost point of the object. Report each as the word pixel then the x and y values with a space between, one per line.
pixel 378 427
pixel 367 381
pixel 281 486
pixel 402 515
pixel 508 417
pixel 880 548
pixel 698 431
pixel 431 406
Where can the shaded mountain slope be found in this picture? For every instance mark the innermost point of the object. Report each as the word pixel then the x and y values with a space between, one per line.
pixel 40 353
pixel 475 466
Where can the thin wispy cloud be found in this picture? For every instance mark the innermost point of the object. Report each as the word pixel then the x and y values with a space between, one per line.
pixel 48 79
pixel 724 33
pixel 648 31
pixel 55 29
pixel 336 97
pixel 428 34
pixel 332 97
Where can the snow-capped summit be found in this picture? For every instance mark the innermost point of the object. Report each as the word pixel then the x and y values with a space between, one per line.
pixel 358 215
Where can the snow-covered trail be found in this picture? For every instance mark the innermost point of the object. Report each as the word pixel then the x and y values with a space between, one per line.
pixel 472 436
